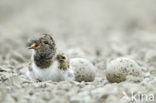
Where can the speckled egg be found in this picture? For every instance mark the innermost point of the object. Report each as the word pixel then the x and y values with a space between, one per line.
pixel 83 69
pixel 118 69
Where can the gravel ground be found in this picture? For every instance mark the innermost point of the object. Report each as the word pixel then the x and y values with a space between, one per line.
pixel 97 30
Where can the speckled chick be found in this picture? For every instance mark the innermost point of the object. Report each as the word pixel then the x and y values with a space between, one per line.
pixel 45 63
pixel 83 69
pixel 118 69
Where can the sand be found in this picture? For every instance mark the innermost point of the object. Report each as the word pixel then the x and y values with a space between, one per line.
pixel 96 30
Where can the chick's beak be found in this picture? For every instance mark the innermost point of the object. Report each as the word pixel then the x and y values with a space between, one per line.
pixel 34 46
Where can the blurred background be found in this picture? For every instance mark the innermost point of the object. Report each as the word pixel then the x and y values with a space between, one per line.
pixel 76 17
pixel 85 22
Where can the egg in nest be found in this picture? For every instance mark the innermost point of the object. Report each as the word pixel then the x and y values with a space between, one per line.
pixel 118 69
pixel 83 69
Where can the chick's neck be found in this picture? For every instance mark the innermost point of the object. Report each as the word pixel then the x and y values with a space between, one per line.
pixel 43 60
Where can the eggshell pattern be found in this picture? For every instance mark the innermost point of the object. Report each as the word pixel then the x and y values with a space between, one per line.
pixel 83 69
pixel 118 69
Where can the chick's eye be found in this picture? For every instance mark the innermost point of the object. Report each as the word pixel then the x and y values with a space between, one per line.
pixel 45 42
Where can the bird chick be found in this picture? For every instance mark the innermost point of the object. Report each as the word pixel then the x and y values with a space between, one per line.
pixel 45 63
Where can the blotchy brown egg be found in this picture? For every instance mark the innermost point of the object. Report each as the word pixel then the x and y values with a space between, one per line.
pixel 83 69
pixel 118 69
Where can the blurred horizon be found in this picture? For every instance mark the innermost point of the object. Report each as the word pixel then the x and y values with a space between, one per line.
pixel 78 15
